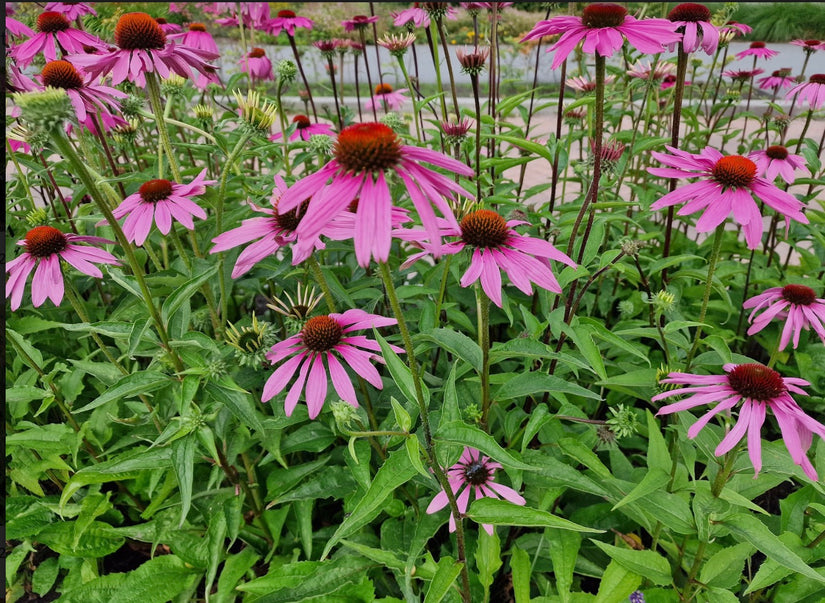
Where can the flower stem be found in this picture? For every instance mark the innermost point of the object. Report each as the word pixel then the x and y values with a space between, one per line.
pixel 425 421
pixel 410 86
pixel 303 76
pixel 714 257
pixel 322 282
pixel 443 35
pixel 483 310
pixel 153 88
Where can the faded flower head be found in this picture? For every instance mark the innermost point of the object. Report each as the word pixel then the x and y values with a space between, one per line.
pixel 251 343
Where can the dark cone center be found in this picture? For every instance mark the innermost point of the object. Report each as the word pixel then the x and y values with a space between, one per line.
pixel 734 171
pixel 155 190
pixel 321 333
pixel 756 382
pixel 139 31
pixel 799 295
pixel 484 228
pixel 61 74
pixel 370 147
pixel 603 14
pixel 52 22
pixel 43 241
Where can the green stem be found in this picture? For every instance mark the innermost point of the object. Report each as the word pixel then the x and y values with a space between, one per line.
pixel 181 124
pixel 322 282
pixel 714 257
pixel 153 88
pixel 80 170
pixel 483 310
pixel 412 93
pixel 442 290
pixel 425 421
pixel 282 119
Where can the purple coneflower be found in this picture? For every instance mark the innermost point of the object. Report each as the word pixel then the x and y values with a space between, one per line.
pixel 728 184
pixel 809 46
pixel 273 231
pixel 160 201
pixel 87 97
pixel 758 50
pixel 645 71
pixel 358 22
pixel 496 247
pixel 364 153
pixel 325 338
pixel 53 31
pixel 776 161
pixel 669 81
pixel 255 15
pixel 397 45
pixel 17 29
pixel 45 245
pixel 582 84
pixel 797 304
pixel 757 387
pixel 812 91
pixel 778 79
pixel 167 27
pixel 71 10
pixel 742 75
pixel 257 65
pixel 304 128
pixel 142 47
pixel 603 27
pixel 693 20
pixel 287 20
pixel 197 37
pixel 384 93
pixel 475 471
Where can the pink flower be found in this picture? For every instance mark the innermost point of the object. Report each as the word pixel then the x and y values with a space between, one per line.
pixel 693 22
pixel 757 387
pixel 417 16
pixel 257 65
pixel 159 201
pixel 384 93
pixel 142 48
pixel 304 128
pixel 669 81
pixel 757 49
pixel 728 184
pixel 364 153
pixel 775 160
pixel 255 15
pixel 778 79
pixel 286 20
pixel 582 84
pixel 45 246
pixel 742 75
pixel 809 46
pixel 812 91
pixel 54 31
pixel 322 341
pixel 198 37
pixel 497 247
pixel 645 71
pixel 168 28
pixel 71 10
pixel 358 22
pixel 603 27
pixel 732 29
pixel 16 28
pixel 87 97
pixel 273 232
pixel 797 304
pixel 476 472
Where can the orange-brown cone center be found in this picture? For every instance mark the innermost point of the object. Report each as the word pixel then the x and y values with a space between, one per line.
pixel 777 151
pixel 383 89
pixel 43 241
pixel 756 382
pixel 197 27
pixel 257 53
pixel 321 333
pixel 369 147
pixel 484 228
pixel 734 171
pixel 799 295
pixel 52 22
pixel 139 31
pixel 302 121
pixel 155 190
pixel 61 74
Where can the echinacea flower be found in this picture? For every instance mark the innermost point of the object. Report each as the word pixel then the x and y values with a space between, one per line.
pixel 257 65
pixel 456 132
pixel 693 21
pixel 496 247
pixel 580 83
pixel 304 128
pixel 757 387
pixel 364 153
pixel 159 201
pixel 196 36
pixel 16 28
pixel 742 75
pixel 142 48
pixel 476 472
pixel 645 71
pixel 809 46
pixel 384 93
pixel 87 97
pixel 812 91
pixel 71 10
pixel 727 184
pixel 255 15
pixel 288 21
pixel 758 50
pixel 778 79
pixel 45 246
pixel 315 353
pixel 797 304
pixel 669 81
pixel 273 232
pixel 167 27
pixel 53 31
pixel 472 63
pixel 358 22
pixel 603 27
pixel 397 45
pixel 777 161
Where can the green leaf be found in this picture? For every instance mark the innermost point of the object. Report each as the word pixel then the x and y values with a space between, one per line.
pixel 575 449
pixel 520 566
pixel 448 570
pixel 183 462
pixel 413 447
pixel 233 572
pixel 538 419
pixel 458 344
pixel 617 584
pixel 92 506
pixel 44 576
pixel 386 558
pixel 130 385
pixel 458 432
pixel 34 355
pixel 528 145
pixel 528 384
pixel 582 337
pixel 304 580
pixel 564 549
pixel 503 512
pixel 237 400
pixel 185 292
pixel 724 568
pixel 747 528
pixel 395 471
pixel 652 481
pixel 600 331
pixel 98 539
pixel 658 456
pixel 402 417
pixel 399 372
pixel 487 558
pixel 648 564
